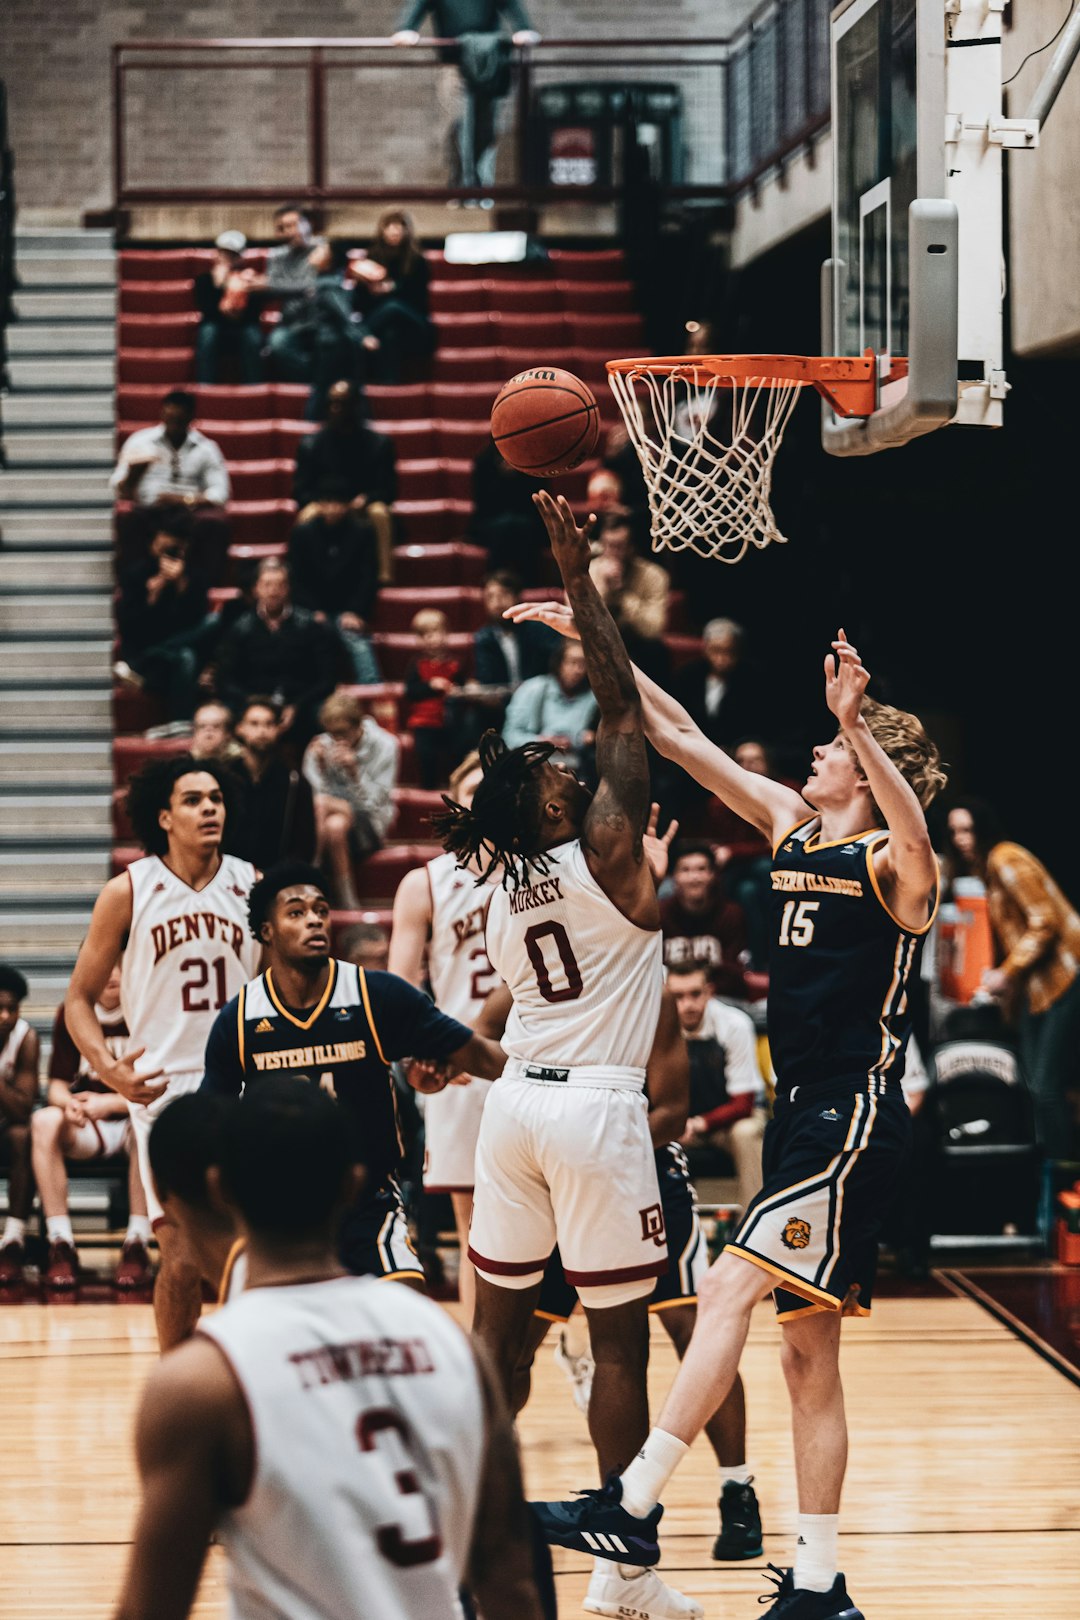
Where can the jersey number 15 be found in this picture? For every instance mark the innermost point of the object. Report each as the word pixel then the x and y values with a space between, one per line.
pixel 797 922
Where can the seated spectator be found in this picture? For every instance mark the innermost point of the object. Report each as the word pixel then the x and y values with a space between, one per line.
pixel 279 649
pixel 431 675
pixel 165 624
pixel 727 1093
pixel 84 1119
pixel 635 591
pixel 229 326
pixel 391 296
pixel 504 520
pixel 620 460
pixel 352 769
pixel 362 460
pixel 334 334
pixel 558 708
pixel 700 924
pixel 173 468
pixel 335 571
pixel 367 945
pixel 20 1056
pixel 603 492
pixel 715 689
pixel 290 278
pixel 743 853
pixel 278 819
pixel 213 734
pixel 505 653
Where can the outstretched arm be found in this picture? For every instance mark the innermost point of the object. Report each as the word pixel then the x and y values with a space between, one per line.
pixel 615 823
pixel 768 805
pixel 906 867
pixel 100 952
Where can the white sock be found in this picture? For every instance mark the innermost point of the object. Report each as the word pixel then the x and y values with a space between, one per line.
pixel 14 1231
pixel 735 1474
pixel 138 1229
pixel 58 1229
pixel 650 1471
pixel 816 1553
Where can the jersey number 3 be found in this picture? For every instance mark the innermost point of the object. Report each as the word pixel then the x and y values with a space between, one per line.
pixel 386 1434
pixel 555 931
pixel 797 922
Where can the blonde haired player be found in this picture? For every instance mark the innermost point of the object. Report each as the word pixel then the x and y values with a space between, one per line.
pixel 179 915
pixel 439 907
pixel 854 891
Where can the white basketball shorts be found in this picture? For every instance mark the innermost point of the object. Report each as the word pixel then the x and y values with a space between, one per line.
pixel 451 1129
pixel 99 1139
pixel 568 1160
pixel 143 1116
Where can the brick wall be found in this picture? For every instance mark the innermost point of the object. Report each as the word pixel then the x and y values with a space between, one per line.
pixel 56 64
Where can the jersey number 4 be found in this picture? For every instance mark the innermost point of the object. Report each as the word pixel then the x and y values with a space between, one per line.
pixel 535 938
pixel 386 1436
pixel 797 922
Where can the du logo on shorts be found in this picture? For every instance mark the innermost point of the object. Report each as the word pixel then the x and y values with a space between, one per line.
pixel 652 1225
pixel 796 1234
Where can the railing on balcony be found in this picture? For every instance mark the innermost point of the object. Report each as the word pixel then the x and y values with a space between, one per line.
pixel 777 87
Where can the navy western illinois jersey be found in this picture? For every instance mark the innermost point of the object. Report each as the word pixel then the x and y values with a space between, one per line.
pixel 840 966
pixel 362 1023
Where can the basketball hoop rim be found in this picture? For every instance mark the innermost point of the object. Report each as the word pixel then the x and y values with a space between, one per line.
pixel 849 383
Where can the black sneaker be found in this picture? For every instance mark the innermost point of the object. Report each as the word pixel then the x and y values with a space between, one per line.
pixel 740 1524
pixel 793 1602
pixel 597 1523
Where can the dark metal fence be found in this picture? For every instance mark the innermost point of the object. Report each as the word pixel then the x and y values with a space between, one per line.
pixel 777 87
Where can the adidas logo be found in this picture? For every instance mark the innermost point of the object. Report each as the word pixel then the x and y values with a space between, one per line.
pixel 264 1027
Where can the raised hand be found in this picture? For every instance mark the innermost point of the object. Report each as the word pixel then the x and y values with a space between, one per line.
pixel 845 681
pixel 569 544
pixel 556 615
pixel 657 849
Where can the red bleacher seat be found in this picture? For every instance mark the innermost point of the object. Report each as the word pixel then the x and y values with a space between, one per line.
pixel 443 270
pixel 408 765
pixel 547 337
pixel 596 297
pixel 394 650
pixel 123 855
pixel 156 264
pixel 397 402
pixel 462 401
pixel 429 522
pixel 682 649
pixel 453 564
pixel 173 331
pixel 245 441
pixel 244 556
pixel 396 605
pixel 341 920
pixel 220 594
pixel 461 439
pixel 457 297
pixel 412 439
pixel 616 334
pixel 434 478
pixel 480 365
pixel 257 522
pixel 609 264
pixel 469 331
pixel 163 368
pixel 258 481
pixel 155 297
pixel 524 297
pixel 135 710
pixel 414 807
pixel 380 874
pixel 131 753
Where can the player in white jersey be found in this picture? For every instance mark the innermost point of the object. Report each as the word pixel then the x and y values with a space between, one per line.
pixel 180 917
pixel 440 908
pixel 19 1062
pixel 338 1433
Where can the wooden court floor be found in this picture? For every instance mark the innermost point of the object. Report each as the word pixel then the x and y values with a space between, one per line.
pixel 962 1498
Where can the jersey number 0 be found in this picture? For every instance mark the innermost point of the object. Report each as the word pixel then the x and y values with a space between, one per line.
pixel 534 938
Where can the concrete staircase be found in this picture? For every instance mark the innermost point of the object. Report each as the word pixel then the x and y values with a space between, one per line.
pixel 55 606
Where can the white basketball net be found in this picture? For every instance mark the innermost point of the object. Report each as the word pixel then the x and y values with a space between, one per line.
pixel 706 444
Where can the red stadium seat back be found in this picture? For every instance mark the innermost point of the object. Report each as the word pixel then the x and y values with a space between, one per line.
pixel 245 556
pixel 379 875
pixel 158 331
pixel 155 297
pixel 259 522
pixel 460 440
pixel 678 621
pixel 408 765
pixel 443 270
pixel 434 478
pixel 546 336
pixel 396 605
pixel 395 650
pixel 523 297
pixel 455 564
pixel 130 754
pixel 617 335
pixel 237 402
pixel 432 522
pixel 341 921
pixel 596 297
pixel 471 331
pixel 464 401
pixel 457 297
pixel 138 405
pixel 135 710
pixel 164 368
pixel 243 441
pixel 480 366
pixel 156 264
pixel 287 435
pixel 258 481
pixel 683 649
pixel 415 807
pixel 122 857
pixel 413 440
pixel 397 402
pixel 569 265
pixel 220 594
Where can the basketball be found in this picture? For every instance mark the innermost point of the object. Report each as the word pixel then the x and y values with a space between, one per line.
pixel 545 421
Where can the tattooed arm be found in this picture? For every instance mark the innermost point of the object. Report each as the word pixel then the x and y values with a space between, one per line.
pixel 615 824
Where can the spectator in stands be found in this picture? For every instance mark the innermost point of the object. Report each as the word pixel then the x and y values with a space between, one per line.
pixel 83 1119
pixel 1037 977
pixel 334 332
pixel 173 466
pixel 504 519
pixel 604 491
pixel 290 277
pixel 505 653
pixel 367 945
pixel 352 769
pixel 391 297
pixel 281 650
pixel 635 590
pixel 165 624
pixel 432 674
pixel 620 461
pixel 484 71
pixel 727 1093
pixel 20 1057
pixel 229 324
pixel 700 924
pixel 213 733
pixel 558 708
pixel 361 459
pixel 335 571
pixel 715 688
pixel 742 853
pixel 278 820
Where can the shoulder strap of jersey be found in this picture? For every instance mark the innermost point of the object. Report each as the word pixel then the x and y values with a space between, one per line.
pixel 241 1043
pixel 365 997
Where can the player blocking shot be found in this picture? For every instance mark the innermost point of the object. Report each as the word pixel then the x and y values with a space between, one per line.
pixel 854 892
pixel 341 1438
pixel 341 1026
pixel 179 916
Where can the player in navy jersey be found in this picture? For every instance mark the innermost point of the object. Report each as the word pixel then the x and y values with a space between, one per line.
pixel 341 1026
pixel 853 893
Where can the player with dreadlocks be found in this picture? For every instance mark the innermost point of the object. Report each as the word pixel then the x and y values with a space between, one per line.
pixel 564 1154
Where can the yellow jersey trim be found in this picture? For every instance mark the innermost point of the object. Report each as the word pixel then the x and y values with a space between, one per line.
pixel 316 1011
pixel 792 829
pixel 362 976
pixel 836 843
pixel 886 908
pixel 240 1026
pixel 671 1304
pixel 392 1276
pixel 238 1247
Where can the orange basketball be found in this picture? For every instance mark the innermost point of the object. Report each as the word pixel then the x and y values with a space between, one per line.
pixel 545 421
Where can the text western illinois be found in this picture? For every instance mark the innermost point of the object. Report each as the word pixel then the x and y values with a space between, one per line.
pixel 817 883
pixel 300 1057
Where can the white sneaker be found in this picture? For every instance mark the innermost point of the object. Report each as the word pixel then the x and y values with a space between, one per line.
pixel 643 1597
pixel 579 1370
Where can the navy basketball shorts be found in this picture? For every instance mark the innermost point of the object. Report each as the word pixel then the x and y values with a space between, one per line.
pixel 373 1238
pixel 831 1160
pixel 688 1258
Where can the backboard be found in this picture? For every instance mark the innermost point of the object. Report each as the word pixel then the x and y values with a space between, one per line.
pixel 916 271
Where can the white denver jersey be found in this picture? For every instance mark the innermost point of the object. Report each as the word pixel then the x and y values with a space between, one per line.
pixel 9 1052
pixel 369 1436
pixel 586 981
pixel 461 976
pixel 189 952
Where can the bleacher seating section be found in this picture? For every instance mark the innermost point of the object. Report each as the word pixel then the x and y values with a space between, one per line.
pixel 577 311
